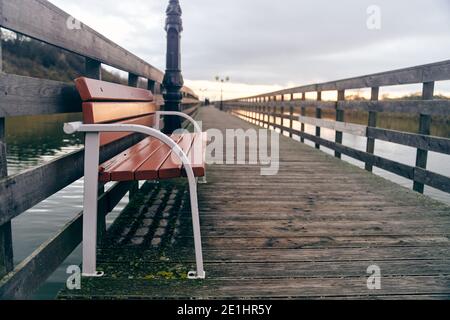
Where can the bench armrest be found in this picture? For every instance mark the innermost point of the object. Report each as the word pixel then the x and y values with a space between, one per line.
pixel 197 128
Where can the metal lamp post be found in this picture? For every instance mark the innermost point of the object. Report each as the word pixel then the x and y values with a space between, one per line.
pixel 173 79
pixel 222 81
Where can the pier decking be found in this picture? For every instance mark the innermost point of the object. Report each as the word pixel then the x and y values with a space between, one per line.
pixel 309 232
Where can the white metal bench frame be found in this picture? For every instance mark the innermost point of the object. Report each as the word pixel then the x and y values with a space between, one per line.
pixel 91 163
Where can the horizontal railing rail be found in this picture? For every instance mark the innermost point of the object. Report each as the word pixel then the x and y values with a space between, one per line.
pixel 273 110
pixel 28 96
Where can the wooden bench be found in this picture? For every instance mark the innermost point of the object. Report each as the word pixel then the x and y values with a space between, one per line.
pixel 112 112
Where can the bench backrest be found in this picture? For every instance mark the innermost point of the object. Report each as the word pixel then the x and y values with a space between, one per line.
pixel 105 102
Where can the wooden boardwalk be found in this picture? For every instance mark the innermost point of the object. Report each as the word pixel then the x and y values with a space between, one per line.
pixel 309 232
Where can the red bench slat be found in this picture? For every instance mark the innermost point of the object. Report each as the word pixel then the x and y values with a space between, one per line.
pixel 171 168
pixel 108 137
pixel 149 169
pixel 91 90
pixel 106 168
pixel 104 112
pixel 126 171
pixel 197 154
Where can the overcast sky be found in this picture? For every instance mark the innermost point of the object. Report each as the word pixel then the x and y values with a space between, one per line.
pixel 265 45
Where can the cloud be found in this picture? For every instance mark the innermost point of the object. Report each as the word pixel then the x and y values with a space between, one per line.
pixel 265 42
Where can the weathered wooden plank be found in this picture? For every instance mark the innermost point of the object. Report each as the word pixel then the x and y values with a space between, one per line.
pixel 340 116
pixel 24 190
pixel 312 242
pixel 6 245
pixel 30 96
pixel 372 123
pixel 319 229
pixel 322 254
pixel 304 270
pixel 311 288
pixel 424 129
pixel 29 275
pixel 318 116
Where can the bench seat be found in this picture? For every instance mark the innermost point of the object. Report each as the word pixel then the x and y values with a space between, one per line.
pixel 150 159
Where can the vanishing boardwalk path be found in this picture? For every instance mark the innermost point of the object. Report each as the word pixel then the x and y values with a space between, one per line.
pixel 309 232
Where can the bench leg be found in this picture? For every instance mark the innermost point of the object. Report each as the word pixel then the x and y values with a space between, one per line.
pixel 200 273
pixel 203 180
pixel 91 161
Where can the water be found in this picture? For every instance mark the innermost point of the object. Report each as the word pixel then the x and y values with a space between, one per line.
pixel 36 140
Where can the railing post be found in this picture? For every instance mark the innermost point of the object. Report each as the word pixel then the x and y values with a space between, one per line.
pixel 264 113
pixel 282 114
pixel 340 114
pixel 291 115
pixel 93 69
pixel 258 113
pixel 425 129
pixel 6 248
pixel 133 80
pixel 151 85
pixel 173 80
pixel 373 119
pixel 303 113
pixel 318 116
pixel 262 116
pixel 273 112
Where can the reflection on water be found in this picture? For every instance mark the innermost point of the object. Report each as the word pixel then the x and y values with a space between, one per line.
pixel 35 140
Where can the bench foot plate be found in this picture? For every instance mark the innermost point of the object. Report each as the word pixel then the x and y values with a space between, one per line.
pixel 98 274
pixel 192 275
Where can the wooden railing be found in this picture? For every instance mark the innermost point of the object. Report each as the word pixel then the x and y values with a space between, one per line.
pixel 26 96
pixel 274 109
